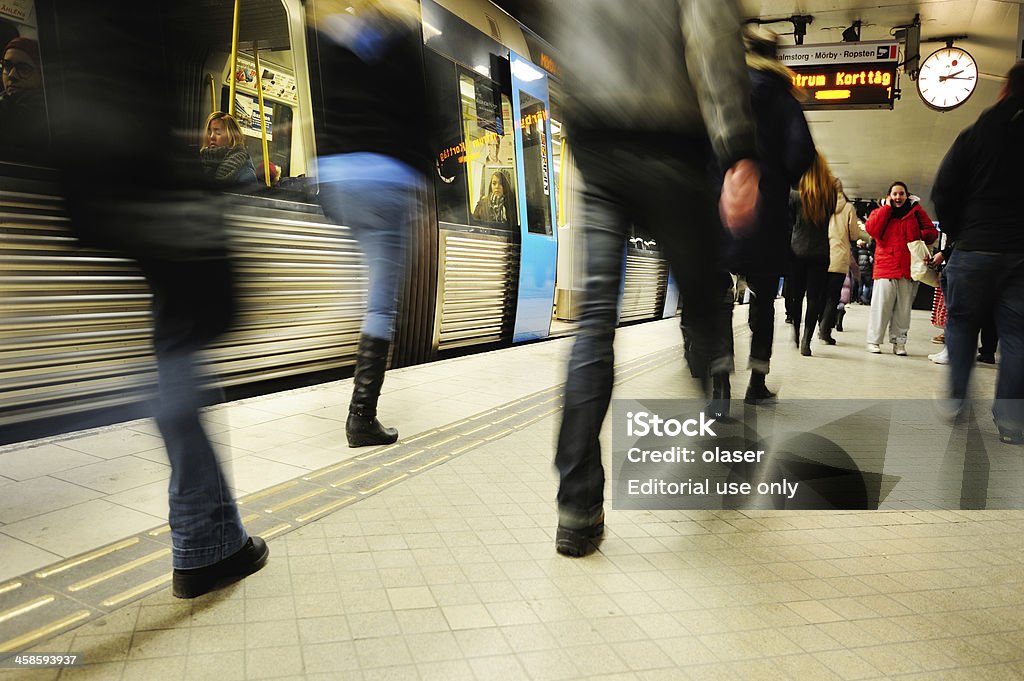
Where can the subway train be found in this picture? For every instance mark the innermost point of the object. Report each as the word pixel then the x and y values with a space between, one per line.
pixel 75 323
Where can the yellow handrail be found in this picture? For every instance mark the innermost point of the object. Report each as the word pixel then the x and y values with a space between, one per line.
pixel 263 117
pixel 234 57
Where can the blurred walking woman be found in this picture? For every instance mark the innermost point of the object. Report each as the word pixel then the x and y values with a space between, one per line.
pixel 812 206
pixel 898 221
pixel 373 147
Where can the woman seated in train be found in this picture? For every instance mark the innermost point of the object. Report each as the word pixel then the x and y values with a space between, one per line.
pixel 497 205
pixel 223 157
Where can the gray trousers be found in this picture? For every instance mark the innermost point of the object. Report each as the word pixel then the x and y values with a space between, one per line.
pixel 891 302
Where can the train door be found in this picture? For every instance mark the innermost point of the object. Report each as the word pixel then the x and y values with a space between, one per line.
pixel 536 193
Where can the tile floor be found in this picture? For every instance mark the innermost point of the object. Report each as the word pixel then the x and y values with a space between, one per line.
pixel 451 574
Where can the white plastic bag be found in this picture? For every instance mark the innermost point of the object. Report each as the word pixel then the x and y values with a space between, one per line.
pixel 919 269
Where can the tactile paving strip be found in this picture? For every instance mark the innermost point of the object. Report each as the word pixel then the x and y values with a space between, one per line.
pixel 59 597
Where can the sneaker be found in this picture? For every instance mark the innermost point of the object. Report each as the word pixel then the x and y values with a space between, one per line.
pixel 874 348
pixel 247 560
pixel 899 349
pixel 986 358
pixel 941 357
pixel 578 542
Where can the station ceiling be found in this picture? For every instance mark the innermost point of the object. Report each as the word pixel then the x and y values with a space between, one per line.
pixel 869 149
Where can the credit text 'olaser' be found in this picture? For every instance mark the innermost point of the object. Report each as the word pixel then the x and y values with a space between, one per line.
pixel 642 423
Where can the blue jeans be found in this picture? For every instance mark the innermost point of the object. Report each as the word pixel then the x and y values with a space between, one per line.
pixel 977 284
pixel 377 198
pixel 669 198
pixel 192 305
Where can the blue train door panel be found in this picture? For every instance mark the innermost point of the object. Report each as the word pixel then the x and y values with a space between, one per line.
pixel 536 195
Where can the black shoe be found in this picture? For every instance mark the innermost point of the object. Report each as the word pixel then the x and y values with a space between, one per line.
pixel 758 394
pixel 839 320
pixel 247 560
pixel 789 320
pixel 1011 436
pixel 363 431
pixel 986 358
pixel 826 338
pixel 805 341
pixel 580 542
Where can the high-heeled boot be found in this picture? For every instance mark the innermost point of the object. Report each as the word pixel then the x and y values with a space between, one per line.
pixel 796 332
pixel 839 317
pixel 805 341
pixel 362 427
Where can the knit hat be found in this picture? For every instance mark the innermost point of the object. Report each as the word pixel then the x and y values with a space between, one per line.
pixel 26 45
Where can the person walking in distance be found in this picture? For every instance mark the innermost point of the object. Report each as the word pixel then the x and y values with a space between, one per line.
pixel 812 206
pixel 787 150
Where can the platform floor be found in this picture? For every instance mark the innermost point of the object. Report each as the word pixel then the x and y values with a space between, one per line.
pixel 435 559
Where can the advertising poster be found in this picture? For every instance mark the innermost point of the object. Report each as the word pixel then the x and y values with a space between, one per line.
pixel 247 113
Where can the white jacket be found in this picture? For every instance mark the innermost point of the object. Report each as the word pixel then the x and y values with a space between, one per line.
pixel 842 229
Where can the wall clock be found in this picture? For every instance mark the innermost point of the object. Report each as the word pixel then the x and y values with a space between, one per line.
pixel 947 78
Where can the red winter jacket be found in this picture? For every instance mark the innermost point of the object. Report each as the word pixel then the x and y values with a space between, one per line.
pixel 891 235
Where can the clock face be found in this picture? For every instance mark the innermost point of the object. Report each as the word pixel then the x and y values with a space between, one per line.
pixel 947 78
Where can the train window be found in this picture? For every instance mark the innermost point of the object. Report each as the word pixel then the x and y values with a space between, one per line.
pixel 489 152
pixel 23 128
pixel 272 35
pixel 450 186
pixel 536 165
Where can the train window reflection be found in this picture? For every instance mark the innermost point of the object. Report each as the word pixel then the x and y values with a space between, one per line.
pixel 536 165
pixel 489 151
pixel 23 129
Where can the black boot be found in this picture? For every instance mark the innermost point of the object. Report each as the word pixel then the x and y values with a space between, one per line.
pixel 796 332
pixel 757 391
pixel 805 341
pixel 839 318
pixel 825 336
pixel 362 427
pixel 720 396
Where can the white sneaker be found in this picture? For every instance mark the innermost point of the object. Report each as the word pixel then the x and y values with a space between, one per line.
pixel 940 357
pixel 873 347
pixel 899 349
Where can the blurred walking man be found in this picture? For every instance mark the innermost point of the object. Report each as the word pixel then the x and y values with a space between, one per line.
pixel 657 91
pixel 976 196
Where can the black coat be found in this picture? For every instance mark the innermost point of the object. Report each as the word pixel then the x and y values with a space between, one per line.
pixel 375 102
pixel 786 150
pixel 977 189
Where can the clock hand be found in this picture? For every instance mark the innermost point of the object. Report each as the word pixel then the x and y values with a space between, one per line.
pixel 952 75
pixel 959 78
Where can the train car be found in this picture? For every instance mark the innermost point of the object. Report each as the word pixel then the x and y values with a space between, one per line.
pixel 75 325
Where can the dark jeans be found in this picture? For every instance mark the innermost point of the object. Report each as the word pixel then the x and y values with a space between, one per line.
pixel 864 290
pixel 192 304
pixel 761 319
pixel 977 284
pixel 989 336
pixel 809 277
pixel 669 198
pixel 833 294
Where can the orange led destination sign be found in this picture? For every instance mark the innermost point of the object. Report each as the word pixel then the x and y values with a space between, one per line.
pixel 847 86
